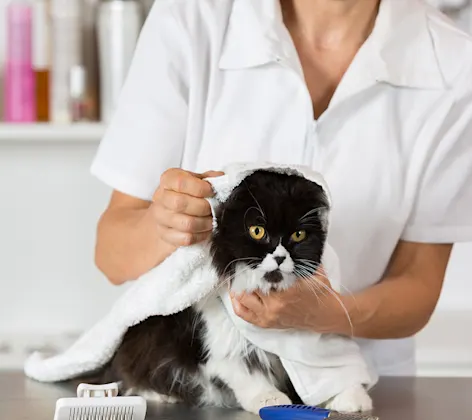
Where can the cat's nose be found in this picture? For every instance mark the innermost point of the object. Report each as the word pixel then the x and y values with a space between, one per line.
pixel 279 260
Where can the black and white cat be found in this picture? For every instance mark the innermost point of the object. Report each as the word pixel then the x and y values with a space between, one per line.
pixel 270 235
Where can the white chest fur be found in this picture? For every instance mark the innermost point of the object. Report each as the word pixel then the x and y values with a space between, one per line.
pixel 222 339
pixel 229 359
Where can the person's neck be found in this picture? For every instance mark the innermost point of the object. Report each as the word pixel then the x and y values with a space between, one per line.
pixel 329 24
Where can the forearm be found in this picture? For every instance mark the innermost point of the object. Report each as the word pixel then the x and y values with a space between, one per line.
pixel 128 244
pixel 397 307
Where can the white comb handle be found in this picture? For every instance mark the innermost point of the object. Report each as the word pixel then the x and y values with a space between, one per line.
pixel 106 390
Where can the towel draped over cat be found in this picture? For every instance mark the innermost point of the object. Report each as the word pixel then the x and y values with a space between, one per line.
pixel 320 367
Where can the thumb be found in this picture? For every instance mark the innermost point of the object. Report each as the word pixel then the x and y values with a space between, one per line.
pixel 210 174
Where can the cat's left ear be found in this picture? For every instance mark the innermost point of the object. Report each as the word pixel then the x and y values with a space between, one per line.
pixel 324 218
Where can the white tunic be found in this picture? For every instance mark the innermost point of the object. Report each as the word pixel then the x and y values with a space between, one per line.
pixel 219 81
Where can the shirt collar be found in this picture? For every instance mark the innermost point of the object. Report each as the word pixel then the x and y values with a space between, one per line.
pixel 251 36
pixel 402 50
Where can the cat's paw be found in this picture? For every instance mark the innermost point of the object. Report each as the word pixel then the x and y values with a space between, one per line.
pixel 267 399
pixel 155 398
pixel 352 400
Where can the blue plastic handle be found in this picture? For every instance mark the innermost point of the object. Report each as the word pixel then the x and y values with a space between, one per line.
pixel 293 412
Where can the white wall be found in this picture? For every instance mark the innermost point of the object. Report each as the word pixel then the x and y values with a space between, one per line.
pixel 49 205
pixel 49 209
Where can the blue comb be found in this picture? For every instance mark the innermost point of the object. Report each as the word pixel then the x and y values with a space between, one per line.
pixel 307 412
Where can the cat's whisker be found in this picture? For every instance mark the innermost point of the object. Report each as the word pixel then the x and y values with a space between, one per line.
pixel 303 272
pixel 312 225
pixel 310 274
pixel 243 270
pixel 338 299
pixel 257 202
pixel 320 274
pixel 228 279
pixel 314 280
pixel 313 285
pixel 309 220
pixel 316 289
pixel 308 262
pixel 314 266
pixel 308 270
pixel 350 293
pixel 299 285
pixel 324 291
pixel 312 212
pixel 236 260
pixel 245 215
pixel 224 279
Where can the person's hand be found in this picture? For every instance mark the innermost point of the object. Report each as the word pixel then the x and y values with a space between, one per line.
pixel 311 304
pixel 179 208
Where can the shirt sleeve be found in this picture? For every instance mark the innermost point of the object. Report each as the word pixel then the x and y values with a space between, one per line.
pixel 147 132
pixel 442 212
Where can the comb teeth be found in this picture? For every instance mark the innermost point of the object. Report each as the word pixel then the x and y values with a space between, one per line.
pixel 351 416
pixel 101 413
pixel 107 408
pixel 300 407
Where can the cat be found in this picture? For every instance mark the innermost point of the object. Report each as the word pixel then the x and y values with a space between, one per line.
pixel 269 235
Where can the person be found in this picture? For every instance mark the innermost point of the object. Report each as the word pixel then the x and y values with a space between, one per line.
pixel 374 94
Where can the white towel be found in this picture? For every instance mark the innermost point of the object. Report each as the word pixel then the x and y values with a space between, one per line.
pixel 320 366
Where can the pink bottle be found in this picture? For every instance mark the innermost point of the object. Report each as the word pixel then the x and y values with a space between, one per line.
pixel 19 74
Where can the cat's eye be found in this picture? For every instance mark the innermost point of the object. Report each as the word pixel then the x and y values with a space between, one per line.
pixel 257 232
pixel 299 236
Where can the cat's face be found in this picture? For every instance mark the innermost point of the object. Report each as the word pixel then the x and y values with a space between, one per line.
pixel 270 232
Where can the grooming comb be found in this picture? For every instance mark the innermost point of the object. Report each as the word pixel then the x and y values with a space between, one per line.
pixel 100 402
pixel 307 412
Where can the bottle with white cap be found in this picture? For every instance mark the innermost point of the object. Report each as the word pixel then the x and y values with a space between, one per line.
pixel 66 54
pixel 119 25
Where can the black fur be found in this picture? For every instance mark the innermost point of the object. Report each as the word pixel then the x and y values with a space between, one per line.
pixel 153 351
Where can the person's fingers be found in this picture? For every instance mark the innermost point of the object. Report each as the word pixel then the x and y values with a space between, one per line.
pixel 190 224
pixel 210 174
pixel 182 222
pixel 185 183
pixel 177 238
pixel 243 312
pixel 186 204
pixel 251 301
pixel 260 295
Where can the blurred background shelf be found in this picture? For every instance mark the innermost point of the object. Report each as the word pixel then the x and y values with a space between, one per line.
pixel 77 132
